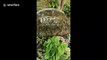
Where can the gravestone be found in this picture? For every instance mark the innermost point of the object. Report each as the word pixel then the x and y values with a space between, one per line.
pixel 52 22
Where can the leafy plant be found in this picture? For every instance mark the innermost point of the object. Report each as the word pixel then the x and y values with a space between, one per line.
pixel 54 49
pixel 53 3
pixel 66 9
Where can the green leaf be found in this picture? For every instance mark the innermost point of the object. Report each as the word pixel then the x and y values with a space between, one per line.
pixel 53 4
pixel 53 57
pixel 49 41
pixel 49 48
pixel 57 57
pixel 49 5
pixel 60 50
pixel 64 45
pixel 64 57
pixel 56 41
pixel 54 51
pixel 46 55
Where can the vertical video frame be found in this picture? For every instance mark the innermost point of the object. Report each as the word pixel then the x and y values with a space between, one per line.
pixel 53 30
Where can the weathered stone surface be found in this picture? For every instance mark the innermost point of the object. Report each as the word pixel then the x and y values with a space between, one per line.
pixel 51 21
